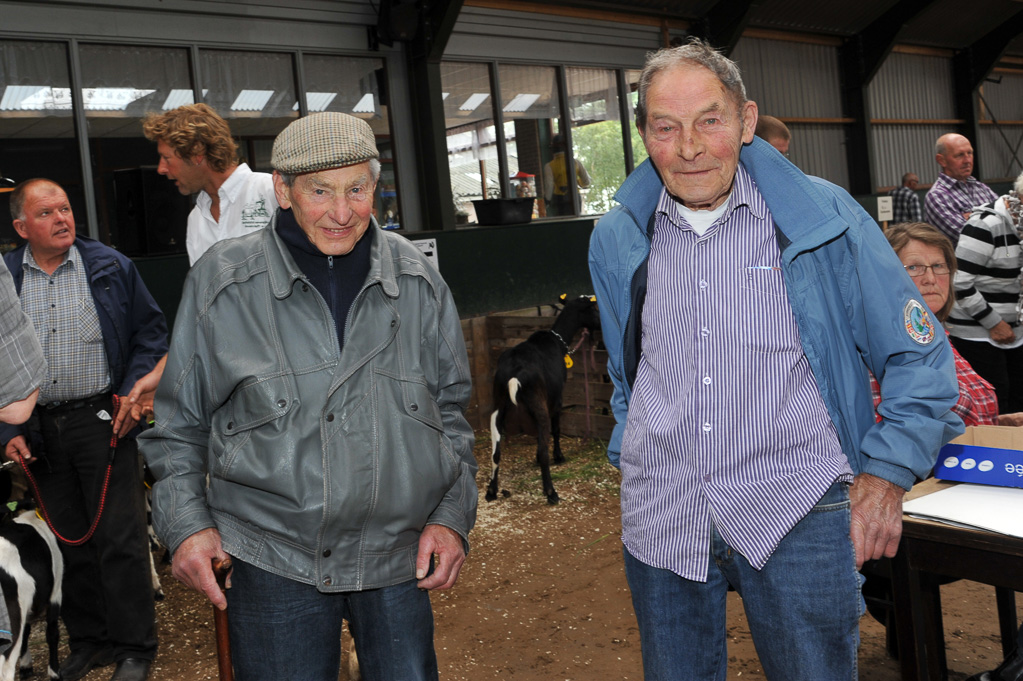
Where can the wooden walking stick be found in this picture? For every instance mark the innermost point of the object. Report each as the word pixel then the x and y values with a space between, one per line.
pixel 220 570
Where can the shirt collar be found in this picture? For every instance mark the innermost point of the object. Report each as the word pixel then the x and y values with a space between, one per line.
pixel 29 261
pixel 948 179
pixel 744 193
pixel 230 190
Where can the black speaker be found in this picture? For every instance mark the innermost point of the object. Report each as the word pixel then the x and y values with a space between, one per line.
pixel 152 216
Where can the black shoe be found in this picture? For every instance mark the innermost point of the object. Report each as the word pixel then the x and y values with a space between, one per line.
pixel 132 669
pixel 81 662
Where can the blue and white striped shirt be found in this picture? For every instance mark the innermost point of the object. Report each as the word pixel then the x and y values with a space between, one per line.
pixel 726 425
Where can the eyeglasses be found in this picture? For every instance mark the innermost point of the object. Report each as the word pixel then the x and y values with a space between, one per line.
pixel 939 269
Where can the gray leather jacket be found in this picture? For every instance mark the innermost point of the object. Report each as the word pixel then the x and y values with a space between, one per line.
pixel 324 466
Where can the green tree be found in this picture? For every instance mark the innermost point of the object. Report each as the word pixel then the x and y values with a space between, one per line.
pixel 598 146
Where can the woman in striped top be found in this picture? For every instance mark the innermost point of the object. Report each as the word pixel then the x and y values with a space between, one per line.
pixel 984 324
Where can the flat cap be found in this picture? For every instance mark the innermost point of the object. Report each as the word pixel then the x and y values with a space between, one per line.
pixel 323 140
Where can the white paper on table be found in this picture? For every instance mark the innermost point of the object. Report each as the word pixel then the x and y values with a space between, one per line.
pixel 996 509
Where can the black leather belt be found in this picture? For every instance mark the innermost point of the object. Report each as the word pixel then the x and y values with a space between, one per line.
pixel 71 405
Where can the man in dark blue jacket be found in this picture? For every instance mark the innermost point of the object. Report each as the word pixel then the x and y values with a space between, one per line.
pixel 101 331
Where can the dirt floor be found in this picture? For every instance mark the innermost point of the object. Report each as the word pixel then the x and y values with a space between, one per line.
pixel 543 595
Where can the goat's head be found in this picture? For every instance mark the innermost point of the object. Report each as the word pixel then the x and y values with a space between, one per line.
pixel 577 313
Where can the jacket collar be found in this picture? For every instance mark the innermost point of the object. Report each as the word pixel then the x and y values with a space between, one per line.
pixel 284 272
pixel 801 212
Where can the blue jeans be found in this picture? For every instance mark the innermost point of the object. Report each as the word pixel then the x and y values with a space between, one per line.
pixel 282 629
pixel 803 607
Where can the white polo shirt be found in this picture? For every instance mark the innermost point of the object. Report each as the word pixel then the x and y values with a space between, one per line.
pixel 247 203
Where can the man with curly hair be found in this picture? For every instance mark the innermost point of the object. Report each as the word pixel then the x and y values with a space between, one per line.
pixel 198 153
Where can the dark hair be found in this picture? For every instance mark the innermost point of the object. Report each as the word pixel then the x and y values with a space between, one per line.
pixel 900 234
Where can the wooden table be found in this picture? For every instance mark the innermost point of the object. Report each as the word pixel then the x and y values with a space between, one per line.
pixel 929 550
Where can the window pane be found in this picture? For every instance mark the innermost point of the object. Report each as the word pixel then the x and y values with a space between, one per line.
pixel 358 87
pixel 37 133
pixel 253 91
pixel 471 136
pixel 638 150
pixel 596 137
pixel 140 212
pixel 529 101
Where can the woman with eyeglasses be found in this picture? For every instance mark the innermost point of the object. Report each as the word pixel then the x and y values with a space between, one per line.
pixel 930 261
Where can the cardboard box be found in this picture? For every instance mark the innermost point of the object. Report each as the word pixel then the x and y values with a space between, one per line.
pixel 985 455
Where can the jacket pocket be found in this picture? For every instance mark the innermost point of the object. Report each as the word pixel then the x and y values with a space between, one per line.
pixel 253 404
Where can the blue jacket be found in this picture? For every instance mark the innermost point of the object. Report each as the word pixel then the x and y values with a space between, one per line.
pixel 849 294
pixel 134 328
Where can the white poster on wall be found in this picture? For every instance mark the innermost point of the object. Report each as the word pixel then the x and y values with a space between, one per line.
pixel 429 249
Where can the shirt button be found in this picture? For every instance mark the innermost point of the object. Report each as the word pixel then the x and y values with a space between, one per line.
pixel 706 380
pixel 706 427
pixel 705 332
pixel 326 554
pixel 703 284
pixel 706 478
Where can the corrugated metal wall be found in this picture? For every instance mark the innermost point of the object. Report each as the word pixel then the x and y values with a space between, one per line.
pixel 482 33
pixel 910 87
pixel 799 80
pixel 1000 148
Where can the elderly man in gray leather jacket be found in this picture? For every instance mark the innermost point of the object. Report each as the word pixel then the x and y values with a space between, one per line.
pixel 317 379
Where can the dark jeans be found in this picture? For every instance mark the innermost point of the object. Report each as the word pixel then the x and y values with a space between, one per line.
pixel 108 595
pixel 282 629
pixel 1000 367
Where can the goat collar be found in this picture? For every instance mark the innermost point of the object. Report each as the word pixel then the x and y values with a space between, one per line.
pixel 568 350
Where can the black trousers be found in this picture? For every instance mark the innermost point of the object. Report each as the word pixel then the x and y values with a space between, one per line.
pixel 1000 367
pixel 108 595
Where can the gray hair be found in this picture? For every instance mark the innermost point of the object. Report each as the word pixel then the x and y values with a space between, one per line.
pixel 374 173
pixel 695 53
pixel 1018 184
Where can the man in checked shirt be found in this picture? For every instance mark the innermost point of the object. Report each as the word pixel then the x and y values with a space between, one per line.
pixel 742 303
pixel 101 331
pixel 952 197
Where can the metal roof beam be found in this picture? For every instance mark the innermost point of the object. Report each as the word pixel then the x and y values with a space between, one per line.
pixel 875 42
pixel 723 24
pixel 976 62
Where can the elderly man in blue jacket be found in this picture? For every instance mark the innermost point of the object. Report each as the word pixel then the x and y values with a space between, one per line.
pixel 101 331
pixel 742 305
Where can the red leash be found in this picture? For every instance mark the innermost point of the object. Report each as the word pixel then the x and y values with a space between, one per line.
pixel 102 497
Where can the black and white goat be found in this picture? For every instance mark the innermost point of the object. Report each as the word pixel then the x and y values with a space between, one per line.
pixel 31 571
pixel 530 378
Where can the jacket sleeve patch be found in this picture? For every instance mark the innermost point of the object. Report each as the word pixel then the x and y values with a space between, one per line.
pixel 918 322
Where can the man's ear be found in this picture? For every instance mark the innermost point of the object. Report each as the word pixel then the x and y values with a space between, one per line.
pixel 282 191
pixel 750 114
pixel 21 228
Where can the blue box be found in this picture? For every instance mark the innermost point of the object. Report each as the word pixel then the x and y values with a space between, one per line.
pixel 985 455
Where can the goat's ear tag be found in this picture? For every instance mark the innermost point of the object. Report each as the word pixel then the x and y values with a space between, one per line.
pixel 563 296
pixel 568 362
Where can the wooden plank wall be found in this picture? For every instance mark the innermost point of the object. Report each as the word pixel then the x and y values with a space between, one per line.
pixel 488 336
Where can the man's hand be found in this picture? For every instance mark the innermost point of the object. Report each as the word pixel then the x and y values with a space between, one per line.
pixel 138 404
pixel 1011 419
pixel 1001 333
pixel 447 545
pixel 17 448
pixel 193 567
pixel 876 517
